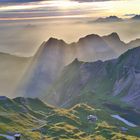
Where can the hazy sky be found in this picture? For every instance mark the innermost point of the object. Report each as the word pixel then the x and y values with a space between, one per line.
pixel 25 25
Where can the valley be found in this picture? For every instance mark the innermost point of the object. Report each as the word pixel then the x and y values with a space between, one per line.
pixel 36 120
pixel 69 69
pixel 75 96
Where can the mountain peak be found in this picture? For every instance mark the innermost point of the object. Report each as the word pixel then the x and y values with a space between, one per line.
pixel 114 35
pixel 108 19
pixel 136 17
pixel 90 37
pixel 115 17
pixel 53 41
pixel 76 61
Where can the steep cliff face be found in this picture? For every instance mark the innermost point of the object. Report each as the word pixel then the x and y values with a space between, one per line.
pixel 118 78
pixel 78 79
pixel 54 54
pixel 114 41
pixel 33 76
pixel 127 77
pixel 45 67
pixel 94 47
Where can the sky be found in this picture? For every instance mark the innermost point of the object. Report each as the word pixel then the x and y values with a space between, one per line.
pixel 25 24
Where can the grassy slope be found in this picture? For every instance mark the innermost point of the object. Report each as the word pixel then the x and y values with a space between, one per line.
pixel 56 123
pixel 99 98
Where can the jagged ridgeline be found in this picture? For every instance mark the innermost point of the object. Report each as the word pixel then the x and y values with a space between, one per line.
pixel 32 76
pixel 90 100
pixel 97 82
pixel 35 119
pixel 54 54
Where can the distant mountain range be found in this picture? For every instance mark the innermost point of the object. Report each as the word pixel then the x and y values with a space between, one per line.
pixel 136 17
pixel 36 120
pixel 109 19
pixel 113 19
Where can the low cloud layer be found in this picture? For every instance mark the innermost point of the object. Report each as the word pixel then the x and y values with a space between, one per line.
pixel 24 26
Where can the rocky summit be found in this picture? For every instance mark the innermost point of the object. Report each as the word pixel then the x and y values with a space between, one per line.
pixel 116 79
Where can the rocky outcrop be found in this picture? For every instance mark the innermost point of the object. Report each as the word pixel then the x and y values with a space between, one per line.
pixel 136 17
pixel 118 78
pixel 54 54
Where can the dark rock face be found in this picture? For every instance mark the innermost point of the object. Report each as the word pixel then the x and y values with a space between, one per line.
pixel 109 19
pixel 46 66
pixel 136 17
pixel 122 74
pixel 127 80
pixel 54 54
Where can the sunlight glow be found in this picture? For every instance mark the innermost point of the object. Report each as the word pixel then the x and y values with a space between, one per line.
pixel 91 9
pixel 64 4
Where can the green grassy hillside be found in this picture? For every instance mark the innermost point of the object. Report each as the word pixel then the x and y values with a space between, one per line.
pixel 35 119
